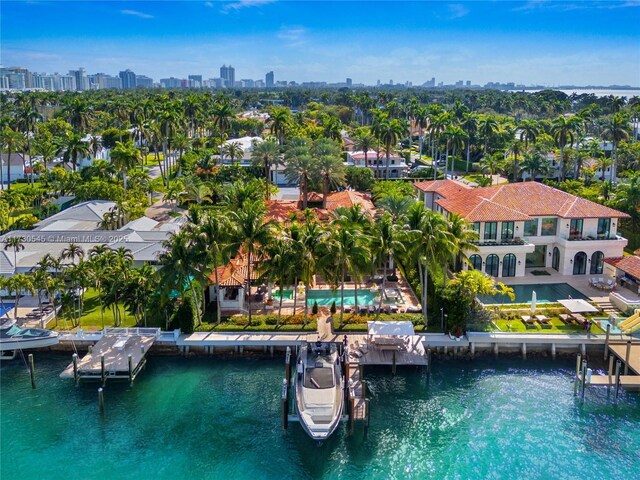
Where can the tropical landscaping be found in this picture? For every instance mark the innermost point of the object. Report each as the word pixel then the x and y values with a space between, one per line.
pixel 177 148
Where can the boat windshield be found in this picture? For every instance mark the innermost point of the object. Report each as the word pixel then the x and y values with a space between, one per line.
pixel 319 378
pixel 15 331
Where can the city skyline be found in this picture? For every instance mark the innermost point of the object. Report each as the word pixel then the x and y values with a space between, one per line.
pixel 529 43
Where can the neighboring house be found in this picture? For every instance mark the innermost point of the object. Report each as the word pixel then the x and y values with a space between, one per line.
pixel 233 280
pixel 15 164
pixel 80 225
pixel 626 271
pixel 529 225
pixel 378 164
pixel 102 154
pixel 246 143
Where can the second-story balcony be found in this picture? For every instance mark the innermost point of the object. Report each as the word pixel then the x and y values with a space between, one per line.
pixel 500 242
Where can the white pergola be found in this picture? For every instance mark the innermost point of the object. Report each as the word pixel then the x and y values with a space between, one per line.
pixel 577 305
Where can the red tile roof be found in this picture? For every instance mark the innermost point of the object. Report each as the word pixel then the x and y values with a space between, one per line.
pixel 445 188
pixel 234 274
pixel 281 210
pixel 630 264
pixel 515 201
pixel 349 198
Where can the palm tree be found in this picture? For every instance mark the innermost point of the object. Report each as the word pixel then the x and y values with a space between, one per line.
pixel 79 114
pixel 437 125
pixel 456 137
pixel 364 142
pixel 307 250
pixel 138 290
pixel 17 245
pixel 213 241
pixel 563 131
pixel 492 164
pixel 233 150
pixel 252 233
pixel 617 131
pixel 266 154
pixel 27 118
pixel 47 150
pixel 98 261
pixel 389 132
pixel 73 147
pixel 431 242
pixel 516 149
pixel 387 240
pixel 124 157
pixel 535 164
pixel 11 142
pixel 488 126
pixel 329 166
pixel 463 236
pixel 18 284
pixel 627 199
pixel 279 251
pixel 343 253
pixel 470 125
pixel 71 252
pixel 421 118
pixel 279 119
pixel 222 114
pixel 529 131
pixel 396 204
pixel 300 166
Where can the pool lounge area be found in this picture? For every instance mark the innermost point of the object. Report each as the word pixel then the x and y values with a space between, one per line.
pixel 325 298
pixel 545 293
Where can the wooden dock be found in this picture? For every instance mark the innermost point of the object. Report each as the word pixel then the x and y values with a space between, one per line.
pixel 624 350
pixel 357 398
pixel 119 354
pixel 400 350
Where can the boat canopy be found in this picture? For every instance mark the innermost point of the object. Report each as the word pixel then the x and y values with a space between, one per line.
pixel 390 328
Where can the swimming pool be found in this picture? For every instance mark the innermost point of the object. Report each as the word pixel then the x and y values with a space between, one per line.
pixel 545 293
pixel 326 297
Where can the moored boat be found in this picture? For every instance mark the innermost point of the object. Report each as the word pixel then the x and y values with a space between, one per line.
pixel 319 389
pixel 13 337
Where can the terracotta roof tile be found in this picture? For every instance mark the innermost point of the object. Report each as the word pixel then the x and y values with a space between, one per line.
pixel 630 264
pixel 516 201
pixel 349 198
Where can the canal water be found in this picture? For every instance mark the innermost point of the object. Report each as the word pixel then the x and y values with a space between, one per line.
pixel 220 419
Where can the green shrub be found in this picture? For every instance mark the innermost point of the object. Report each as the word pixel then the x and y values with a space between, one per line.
pixel 314 309
pixel 333 308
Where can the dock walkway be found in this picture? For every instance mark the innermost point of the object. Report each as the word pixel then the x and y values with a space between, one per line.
pixel 119 354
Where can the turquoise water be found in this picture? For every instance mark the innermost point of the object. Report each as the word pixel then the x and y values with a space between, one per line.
pixel 327 297
pixel 217 419
pixel 545 293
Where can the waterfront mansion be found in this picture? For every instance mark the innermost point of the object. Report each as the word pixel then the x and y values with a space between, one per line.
pixel 529 226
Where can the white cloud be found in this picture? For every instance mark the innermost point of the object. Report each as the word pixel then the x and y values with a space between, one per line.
pixel 293 36
pixel 240 4
pixel 208 4
pixel 135 13
pixel 457 10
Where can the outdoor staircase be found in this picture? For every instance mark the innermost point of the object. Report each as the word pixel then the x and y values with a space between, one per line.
pixel 607 308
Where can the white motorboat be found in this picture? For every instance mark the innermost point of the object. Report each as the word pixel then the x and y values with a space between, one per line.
pixel 12 337
pixel 319 389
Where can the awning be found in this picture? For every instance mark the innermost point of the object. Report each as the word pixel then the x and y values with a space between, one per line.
pixel 390 328
pixel 577 305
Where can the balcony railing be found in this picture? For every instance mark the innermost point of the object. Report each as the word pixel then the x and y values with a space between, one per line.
pixel 502 241
pixel 583 238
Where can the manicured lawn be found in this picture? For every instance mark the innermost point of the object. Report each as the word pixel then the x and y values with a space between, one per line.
pixel 91 315
pixel 557 326
pixel 259 323
pixel 18 187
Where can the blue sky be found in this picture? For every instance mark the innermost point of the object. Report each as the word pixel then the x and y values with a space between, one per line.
pixel 546 42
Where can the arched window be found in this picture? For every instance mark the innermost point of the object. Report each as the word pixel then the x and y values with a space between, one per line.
pixel 580 263
pixel 509 265
pixel 492 266
pixel 555 260
pixel 475 262
pixel 597 263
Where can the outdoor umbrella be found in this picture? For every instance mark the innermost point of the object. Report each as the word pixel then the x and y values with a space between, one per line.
pixel 533 301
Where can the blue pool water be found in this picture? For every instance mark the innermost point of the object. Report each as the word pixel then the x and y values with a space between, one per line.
pixel 211 418
pixel 545 293
pixel 327 297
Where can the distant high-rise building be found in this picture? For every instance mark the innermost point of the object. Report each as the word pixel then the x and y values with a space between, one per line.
pixel 228 75
pixel 81 79
pixel 349 82
pixel 128 79
pixel 102 81
pixel 468 83
pixel 247 83
pixel 195 81
pixel 268 79
pixel 171 82
pixel 144 81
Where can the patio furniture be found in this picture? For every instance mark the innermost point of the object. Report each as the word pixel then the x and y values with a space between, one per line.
pixel 528 321
pixel 545 322
pixel 566 318
pixel 578 318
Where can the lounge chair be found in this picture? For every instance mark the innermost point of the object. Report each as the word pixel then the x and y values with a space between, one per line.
pixel 593 282
pixel 545 322
pixel 610 284
pixel 528 321
pixel 566 318
pixel 600 282
pixel 578 318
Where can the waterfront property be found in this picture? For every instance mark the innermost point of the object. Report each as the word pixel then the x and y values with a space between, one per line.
pixel 527 226
pixel 377 163
pixel 545 293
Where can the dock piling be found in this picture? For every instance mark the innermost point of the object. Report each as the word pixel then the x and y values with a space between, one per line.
pixel 626 358
pixel 584 379
pixel 285 404
pixel 575 385
pixel 524 350
pixel 130 363
pixel 495 349
pixel 553 351
pixel 617 379
pixel 101 399
pixel 472 348
pixel 583 349
pixel 606 342
pixel 429 357
pixel 32 371
pixel 75 368
pixel 610 372
pixel 393 364
pixel 103 377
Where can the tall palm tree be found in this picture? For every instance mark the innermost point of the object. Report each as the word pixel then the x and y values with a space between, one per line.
pixel 529 130
pixel 329 166
pixel 535 164
pixel 280 250
pixel 300 166
pixel 266 155
pixel 463 236
pixel 73 147
pixel 279 119
pixel 421 118
pixel 617 130
pixel 387 241
pixel 488 127
pixel 233 151
pixel 431 242
pixel 470 126
pixel 11 142
pixel 17 245
pixel 19 283
pixel 222 114
pixel 27 118
pixel 516 150
pixel 563 131
pixel 456 137
pixel 364 142
pixel 79 114
pixel 125 156
pixel 627 199
pixel 72 252
pixel 252 232
pixel 389 132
